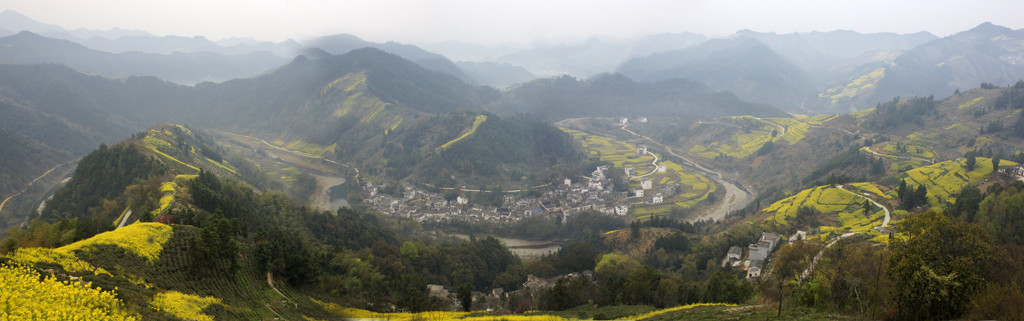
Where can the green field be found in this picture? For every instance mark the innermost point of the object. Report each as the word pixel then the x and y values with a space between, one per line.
pixel 693 188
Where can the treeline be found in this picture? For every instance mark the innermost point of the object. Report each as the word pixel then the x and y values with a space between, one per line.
pixel 604 95
pixel 680 268
pixel 898 111
pixel 852 157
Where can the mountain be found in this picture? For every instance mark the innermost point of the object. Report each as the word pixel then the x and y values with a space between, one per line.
pixel 652 44
pixel 461 51
pixel 184 68
pixel 15 22
pixel 22 159
pixel 343 43
pixel 740 64
pixel 581 60
pixel 986 53
pixel 615 95
pixel 366 107
pixel 494 74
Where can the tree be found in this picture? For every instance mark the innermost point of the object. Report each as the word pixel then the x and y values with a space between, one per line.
pixel 465 296
pixel 970 162
pixel 938 266
pixel 995 163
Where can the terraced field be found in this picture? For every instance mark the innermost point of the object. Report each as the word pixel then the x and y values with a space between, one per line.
pixel 693 188
pixel 846 205
pixel 747 142
pixel 947 178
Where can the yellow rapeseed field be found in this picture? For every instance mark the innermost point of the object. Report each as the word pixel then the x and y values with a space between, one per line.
pixel 25 297
pixel 143 239
pixel 184 306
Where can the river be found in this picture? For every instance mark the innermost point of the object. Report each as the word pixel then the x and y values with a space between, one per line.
pixel 524 249
pixel 325 200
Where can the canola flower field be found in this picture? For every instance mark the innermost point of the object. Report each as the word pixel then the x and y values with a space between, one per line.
pixel 143 239
pixel 747 143
pixel 184 306
pixel 947 178
pixel 25 297
pixel 476 316
pixel 846 205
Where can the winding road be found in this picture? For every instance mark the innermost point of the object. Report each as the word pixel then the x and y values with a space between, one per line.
pixel 735 196
pixel 885 222
pixel 29 185
pixel 899 157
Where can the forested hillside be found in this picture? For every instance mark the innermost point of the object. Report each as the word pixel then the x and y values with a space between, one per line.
pixel 609 96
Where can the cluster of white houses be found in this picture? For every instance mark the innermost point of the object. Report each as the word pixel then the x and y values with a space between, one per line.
pixel 566 199
pixel 757 254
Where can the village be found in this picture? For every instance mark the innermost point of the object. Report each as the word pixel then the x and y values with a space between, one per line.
pixel 565 200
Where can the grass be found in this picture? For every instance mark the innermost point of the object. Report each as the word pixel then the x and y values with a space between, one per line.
pixel 311 148
pixel 480 119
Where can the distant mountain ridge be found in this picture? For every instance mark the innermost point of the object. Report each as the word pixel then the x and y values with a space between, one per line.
pixel 741 64
pixel 183 68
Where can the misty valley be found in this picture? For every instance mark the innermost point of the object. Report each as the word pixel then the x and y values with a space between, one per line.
pixel 801 176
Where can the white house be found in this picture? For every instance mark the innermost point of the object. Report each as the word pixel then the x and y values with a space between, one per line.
pixel 734 254
pixel 622 209
pixel 639 192
pixel 630 171
pixel 755 268
pixel 657 199
pixel 646 184
pixel 641 150
pixel 568 181
pixel 623 121
pixel 662 168
pixel 462 199
pixel 643 119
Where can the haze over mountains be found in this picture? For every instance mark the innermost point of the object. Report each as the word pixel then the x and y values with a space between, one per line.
pixel 808 72
pixel 634 177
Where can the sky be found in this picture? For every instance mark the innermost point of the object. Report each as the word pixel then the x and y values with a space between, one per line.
pixel 513 21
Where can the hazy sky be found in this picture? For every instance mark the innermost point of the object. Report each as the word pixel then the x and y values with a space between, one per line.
pixel 486 21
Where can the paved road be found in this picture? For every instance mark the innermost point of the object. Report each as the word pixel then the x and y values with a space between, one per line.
pixel 735 196
pixel 781 128
pixel 885 222
pixel 27 186
pixel 900 157
pixel 125 219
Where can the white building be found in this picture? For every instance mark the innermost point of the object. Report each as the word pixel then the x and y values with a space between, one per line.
pixel 662 168
pixel 643 119
pixel 641 150
pixel 623 121
pixel 630 171
pixel 621 209
pixel 462 199
pixel 657 199
pixel 646 184
pixel 639 192
pixel 568 181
